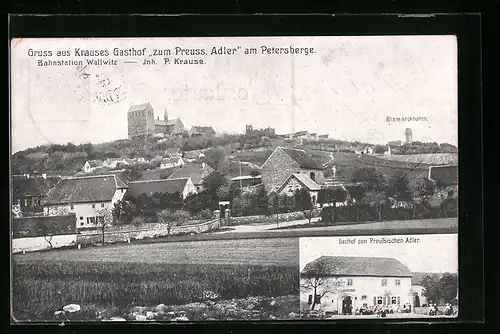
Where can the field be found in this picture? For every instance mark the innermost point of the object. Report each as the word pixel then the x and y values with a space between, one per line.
pixel 430 159
pixel 149 274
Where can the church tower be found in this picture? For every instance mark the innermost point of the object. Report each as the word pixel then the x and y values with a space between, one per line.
pixel 165 116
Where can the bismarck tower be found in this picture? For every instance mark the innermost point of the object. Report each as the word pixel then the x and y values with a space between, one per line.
pixel 408 136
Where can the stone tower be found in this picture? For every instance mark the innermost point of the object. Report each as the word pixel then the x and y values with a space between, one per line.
pixel 165 116
pixel 408 136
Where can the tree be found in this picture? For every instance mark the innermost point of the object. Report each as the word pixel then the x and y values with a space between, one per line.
pixel 47 231
pixel 132 173
pixel 398 187
pixel 357 193
pixel 370 179
pixel 167 217
pixel 375 199
pixel 338 195
pixel 448 286
pixel 316 277
pixel 431 287
pixel 273 203
pixel 304 203
pixel 213 182
pixel 261 201
pixel 420 189
pixel 216 158
pixel 105 218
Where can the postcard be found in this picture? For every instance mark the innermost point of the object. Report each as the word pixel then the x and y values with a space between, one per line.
pixel 178 179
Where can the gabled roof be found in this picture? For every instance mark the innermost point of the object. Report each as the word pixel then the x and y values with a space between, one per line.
pixel 203 129
pixel 195 172
pixel 149 188
pixel 193 154
pixel 444 175
pixel 173 121
pixel 33 186
pixel 98 188
pixel 303 179
pixel 302 158
pixel 95 163
pixel 357 266
pixel 139 107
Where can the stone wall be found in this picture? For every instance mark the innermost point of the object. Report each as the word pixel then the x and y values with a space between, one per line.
pixel 271 219
pixel 160 230
pixel 38 226
pixel 43 243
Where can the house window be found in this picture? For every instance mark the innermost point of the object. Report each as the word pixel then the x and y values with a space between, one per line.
pixel 81 224
pixel 92 220
pixel 363 297
pixel 102 205
pixel 317 299
pixel 312 176
pixel 310 299
pixel 349 281
pixel 394 300
pixel 101 219
pixel 93 206
pixel 380 300
pixel 384 281
pixel 81 218
pixel 88 220
pixel 398 282
pixel 72 207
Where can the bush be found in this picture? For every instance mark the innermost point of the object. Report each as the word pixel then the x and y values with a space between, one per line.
pixel 205 214
pixel 138 221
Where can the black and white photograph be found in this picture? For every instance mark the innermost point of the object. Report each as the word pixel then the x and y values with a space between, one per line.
pixel 170 179
pixel 411 276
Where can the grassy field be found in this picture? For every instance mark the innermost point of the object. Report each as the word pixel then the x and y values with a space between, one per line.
pixel 150 274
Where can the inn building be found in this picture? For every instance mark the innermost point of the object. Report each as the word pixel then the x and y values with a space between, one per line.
pixel 355 282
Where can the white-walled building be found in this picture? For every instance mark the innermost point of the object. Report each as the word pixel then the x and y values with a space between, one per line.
pixel 298 181
pixel 92 165
pixel 88 197
pixel 171 162
pixel 355 282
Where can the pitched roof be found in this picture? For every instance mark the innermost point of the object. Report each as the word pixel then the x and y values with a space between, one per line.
pixel 139 107
pixel 195 172
pixel 33 186
pixel 99 188
pixel 95 163
pixel 159 122
pixel 302 158
pixel 193 154
pixel 303 179
pixel 357 266
pixel 169 186
pixel 203 129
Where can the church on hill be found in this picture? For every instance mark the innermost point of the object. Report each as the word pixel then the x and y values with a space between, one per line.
pixel 142 122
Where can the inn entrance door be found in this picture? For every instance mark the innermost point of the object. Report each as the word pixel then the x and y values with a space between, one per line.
pixel 347 305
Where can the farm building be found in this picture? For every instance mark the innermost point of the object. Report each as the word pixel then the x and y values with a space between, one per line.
pixel 360 281
pixel 284 161
pixel 88 197
pixel 92 165
pixel 184 186
pixel 171 162
pixel 298 181
pixel 202 130
pixel 195 172
pixel 29 191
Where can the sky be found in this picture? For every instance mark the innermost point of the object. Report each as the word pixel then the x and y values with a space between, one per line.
pixel 346 88
pixel 435 253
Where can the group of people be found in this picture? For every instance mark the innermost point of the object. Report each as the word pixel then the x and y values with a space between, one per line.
pixel 448 310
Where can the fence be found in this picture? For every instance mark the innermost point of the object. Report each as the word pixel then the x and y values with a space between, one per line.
pixel 157 231
pixel 271 219
pixel 43 232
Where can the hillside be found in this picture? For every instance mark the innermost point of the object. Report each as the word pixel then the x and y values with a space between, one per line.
pixel 223 152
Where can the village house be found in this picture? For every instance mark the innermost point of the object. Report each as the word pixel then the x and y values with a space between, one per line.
pixel 29 192
pixel 171 162
pixel 446 180
pixel 183 186
pixel 202 130
pixel 284 161
pixel 89 197
pixel 114 162
pixel 367 150
pixel 297 181
pixel 193 155
pixel 173 152
pixel 361 282
pixel 92 165
pixel 196 172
